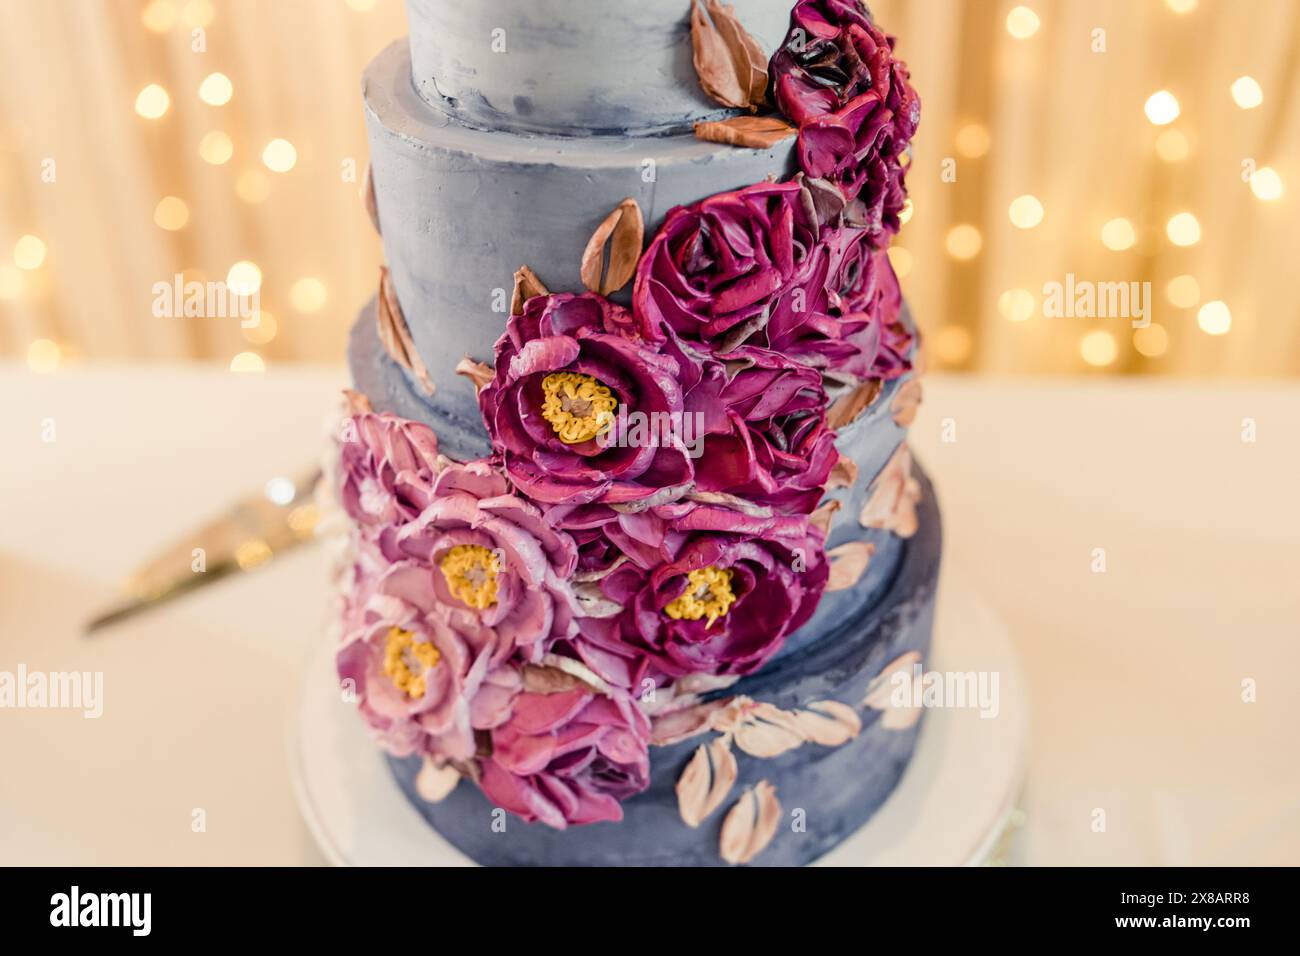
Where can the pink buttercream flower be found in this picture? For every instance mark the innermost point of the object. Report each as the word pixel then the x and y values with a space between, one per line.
pixel 425 676
pixel 568 757
pixel 387 468
pixel 488 552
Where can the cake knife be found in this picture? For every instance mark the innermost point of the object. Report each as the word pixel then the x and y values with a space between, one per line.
pixel 255 529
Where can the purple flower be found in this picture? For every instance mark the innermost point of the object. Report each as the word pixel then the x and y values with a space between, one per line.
pixel 565 368
pixel 723 270
pixel 388 465
pixel 490 554
pixel 715 586
pixel 426 676
pixel 832 54
pixel 866 309
pixel 568 757
pixel 766 435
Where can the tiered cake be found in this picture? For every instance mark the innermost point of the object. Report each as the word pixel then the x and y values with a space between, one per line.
pixel 640 560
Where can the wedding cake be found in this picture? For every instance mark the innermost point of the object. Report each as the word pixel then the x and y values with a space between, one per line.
pixel 638 555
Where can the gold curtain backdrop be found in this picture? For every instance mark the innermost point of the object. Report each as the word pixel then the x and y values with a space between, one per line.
pixel 1066 141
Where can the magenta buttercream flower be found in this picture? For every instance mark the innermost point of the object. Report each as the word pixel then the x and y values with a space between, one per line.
pixel 569 370
pixel 866 308
pixel 722 270
pixel 832 54
pixel 715 586
pixel 488 552
pixel 568 757
pixel 425 676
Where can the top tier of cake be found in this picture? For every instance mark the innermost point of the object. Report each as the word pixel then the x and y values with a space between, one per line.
pixel 569 67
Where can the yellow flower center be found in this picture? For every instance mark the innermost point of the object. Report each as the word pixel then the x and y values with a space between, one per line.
pixel 708 594
pixel 471 573
pixel 578 406
pixel 407 661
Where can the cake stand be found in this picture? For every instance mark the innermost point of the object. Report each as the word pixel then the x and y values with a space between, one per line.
pixel 955 802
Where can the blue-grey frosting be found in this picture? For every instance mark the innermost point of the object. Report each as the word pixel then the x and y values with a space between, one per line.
pixel 621 67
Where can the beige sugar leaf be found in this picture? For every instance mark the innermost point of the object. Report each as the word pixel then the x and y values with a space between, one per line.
pixel 395 335
pixel 843 474
pixel 906 401
pixel 433 782
pixel 358 403
pixel 477 372
pixel 750 824
pixel 894 495
pixel 896 714
pixel 609 261
pixel 849 406
pixel 368 199
pixel 848 563
pixel 754 132
pixel 706 781
pixel 728 61
pixel 678 725
pixel 527 285
pixel 829 723
pixel 825 514
pixel 578 671
pixel 767 731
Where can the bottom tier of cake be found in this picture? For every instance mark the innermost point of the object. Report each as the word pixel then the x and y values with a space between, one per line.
pixel 825 793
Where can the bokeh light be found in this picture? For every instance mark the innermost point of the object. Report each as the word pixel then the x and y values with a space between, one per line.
pixel 1266 184
pixel 171 213
pixel 964 242
pixel 1214 318
pixel 1152 341
pixel 244 278
pixel 44 356
pixel 1118 235
pixel 1022 23
pixel 1172 146
pixel 1098 348
pixel 1025 212
pixel 1183 291
pixel 152 101
pixel 1183 229
pixel 1162 107
pixel 973 140
pixel 1017 305
pixel 308 294
pixel 279 156
pixel 216 148
pixel 29 252
pixel 246 362
pixel 216 89
pixel 1246 92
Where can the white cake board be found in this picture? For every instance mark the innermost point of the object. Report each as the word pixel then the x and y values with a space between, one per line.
pixel 950 808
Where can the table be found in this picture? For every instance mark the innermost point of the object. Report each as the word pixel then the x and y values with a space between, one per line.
pixel 1135 672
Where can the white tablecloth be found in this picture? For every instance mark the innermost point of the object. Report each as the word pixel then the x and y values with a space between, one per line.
pixel 1136 673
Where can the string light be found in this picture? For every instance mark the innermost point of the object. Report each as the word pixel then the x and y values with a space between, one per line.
pixel 244 278
pixel 216 148
pixel 901 260
pixel 44 356
pixel 1214 318
pixel 1022 23
pixel 29 252
pixel 1171 146
pixel 152 101
pixel 1016 305
pixel 308 294
pixel 1025 211
pixel 1183 291
pixel 1246 92
pixel 171 213
pixel 1098 348
pixel 252 186
pixel 158 16
pixel 1183 229
pixel 198 13
pixel 1162 108
pixel 1181 6
pixel 1266 184
pixel 216 89
pixel 11 281
pixel 973 140
pixel 247 362
pixel 952 344
pixel 1118 235
pixel 265 329
pixel 279 155
pixel 964 242
pixel 1152 341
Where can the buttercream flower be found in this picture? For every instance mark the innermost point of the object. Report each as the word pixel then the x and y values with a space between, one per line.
pixel 770 444
pixel 724 269
pixel 488 552
pixel 866 309
pixel 426 676
pixel 568 757
pixel 387 468
pixel 834 53
pixel 732 582
pixel 566 370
